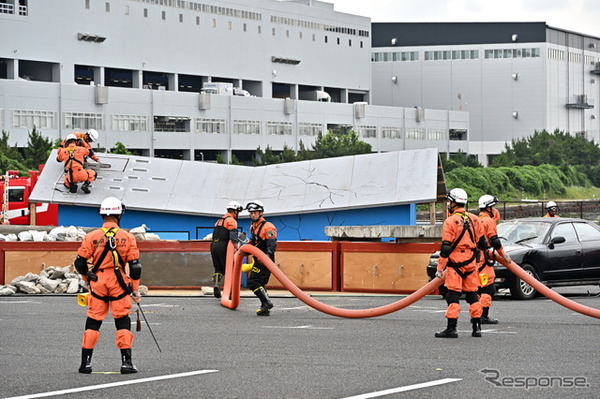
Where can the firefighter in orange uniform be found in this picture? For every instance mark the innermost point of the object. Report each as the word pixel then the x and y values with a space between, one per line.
pixel 264 237
pixel 225 230
pixel 488 214
pixel 110 288
pixel 552 209
pixel 74 157
pixel 462 240
pixel 85 140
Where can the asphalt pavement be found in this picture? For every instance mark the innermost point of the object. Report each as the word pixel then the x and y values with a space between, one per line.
pixel 539 350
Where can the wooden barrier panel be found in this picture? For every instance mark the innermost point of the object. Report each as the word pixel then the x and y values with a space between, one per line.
pixel 165 264
pixel 309 265
pixel 385 267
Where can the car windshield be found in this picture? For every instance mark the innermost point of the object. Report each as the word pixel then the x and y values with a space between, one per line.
pixel 523 232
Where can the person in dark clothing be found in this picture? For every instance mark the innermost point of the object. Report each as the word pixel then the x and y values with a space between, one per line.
pixel 225 230
pixel 264 237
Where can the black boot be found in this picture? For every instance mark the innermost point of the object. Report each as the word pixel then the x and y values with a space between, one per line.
pixel 86 361
pixel 450 331
pixel 485 319
pixel 127 367
pixel 73 188
pixel 85 186
pixel 217 279
pixel 265 302
pixel 476 327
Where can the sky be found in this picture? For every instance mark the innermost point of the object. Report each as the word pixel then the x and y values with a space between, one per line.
pixel 581 16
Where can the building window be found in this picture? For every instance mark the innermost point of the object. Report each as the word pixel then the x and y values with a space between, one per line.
pixel 415 133
pixel 309 129
pixel 129 123
pixel 210 126
pixel 273 31
pixel 279 128
pixel 259 29
pixel 180 17
pixel 87 4
pixel 164 15
pixel 457 134
pixel 214 23
pixel 31 118
pixel 436 134
pixel 246 127
pixel 245 27
pixel 171 124
pixel 197 20
pixel 145 13
pixel 107 7
pixel 367 131
pixel 314 37
pixel 391 132
pixel 82 120
pixel 126 10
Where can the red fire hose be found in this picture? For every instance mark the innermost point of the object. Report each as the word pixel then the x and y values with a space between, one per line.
pixel 542 289
pixel 233 274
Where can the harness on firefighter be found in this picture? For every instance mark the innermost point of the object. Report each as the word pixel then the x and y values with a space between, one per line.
pixel 457 265
pixel 255 239
pixel 111 246
pixel 220 226
pixel 69 162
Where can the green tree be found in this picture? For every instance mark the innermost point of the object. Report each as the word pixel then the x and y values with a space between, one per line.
pixel 8 151
pixel 338 145
pixel 38 149
pixel 461 159
pixel 120 148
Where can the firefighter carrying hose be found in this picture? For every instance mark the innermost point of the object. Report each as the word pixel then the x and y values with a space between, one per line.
pixel 110 288
pixel 225 230
pixel 264 237
pixel 74 157
pixel 462 240
pixel 487 214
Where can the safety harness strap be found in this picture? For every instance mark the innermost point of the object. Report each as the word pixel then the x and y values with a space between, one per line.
pixel 111 246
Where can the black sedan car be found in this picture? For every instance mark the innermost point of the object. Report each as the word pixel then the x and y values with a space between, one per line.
pixel 556 251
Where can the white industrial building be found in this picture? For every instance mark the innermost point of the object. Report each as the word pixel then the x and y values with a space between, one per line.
pixel 512 78
pixel 134 71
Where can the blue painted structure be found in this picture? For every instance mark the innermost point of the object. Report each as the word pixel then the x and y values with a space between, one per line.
pixel 294 227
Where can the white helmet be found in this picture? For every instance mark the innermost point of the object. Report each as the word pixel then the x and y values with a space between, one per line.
pixel 457 195
pixel 92 134
pixel 111 206
pixel 255 205
pixel 551 205
pixel 487 200
pixel 71 137
pixel 234 205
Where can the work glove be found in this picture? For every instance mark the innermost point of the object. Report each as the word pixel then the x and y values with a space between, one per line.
pixel 136 296
pixel 439 274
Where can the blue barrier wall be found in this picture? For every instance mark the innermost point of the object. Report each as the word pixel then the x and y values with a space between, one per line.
pixel 289 227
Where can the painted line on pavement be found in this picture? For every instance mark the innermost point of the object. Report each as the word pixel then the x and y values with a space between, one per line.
pixel 404 389
pixel 113 384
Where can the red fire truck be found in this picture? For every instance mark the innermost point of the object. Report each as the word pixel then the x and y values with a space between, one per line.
pixel 15 192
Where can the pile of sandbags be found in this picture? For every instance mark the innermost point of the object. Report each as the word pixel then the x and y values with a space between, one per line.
pixel 53 279
pixel 71 233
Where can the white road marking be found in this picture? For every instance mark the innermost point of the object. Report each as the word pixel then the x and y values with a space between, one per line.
pixel 295 308
pixel 113 384
pixel 429 310
pixel 404 389
pixel 159 305
pixel 2 302
pixel 308 327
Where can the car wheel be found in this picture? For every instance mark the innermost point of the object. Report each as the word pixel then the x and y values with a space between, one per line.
pixel 520 289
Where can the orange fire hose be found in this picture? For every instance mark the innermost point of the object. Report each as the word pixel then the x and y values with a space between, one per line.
pixel 233 275
pixel 542 289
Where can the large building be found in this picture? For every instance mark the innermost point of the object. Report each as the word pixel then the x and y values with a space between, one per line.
pixel 134 70
pixel 512 78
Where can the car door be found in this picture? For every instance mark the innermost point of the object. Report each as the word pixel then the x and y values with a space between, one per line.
pixel 565 260
pixel 589 236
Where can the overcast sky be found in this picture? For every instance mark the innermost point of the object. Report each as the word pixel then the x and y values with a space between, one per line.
pixel 582 16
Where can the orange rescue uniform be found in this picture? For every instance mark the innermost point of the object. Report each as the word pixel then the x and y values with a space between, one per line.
pixel 464 250
pixel 93 246
pixel 82 143
pixel 490 230
pixel 74 156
